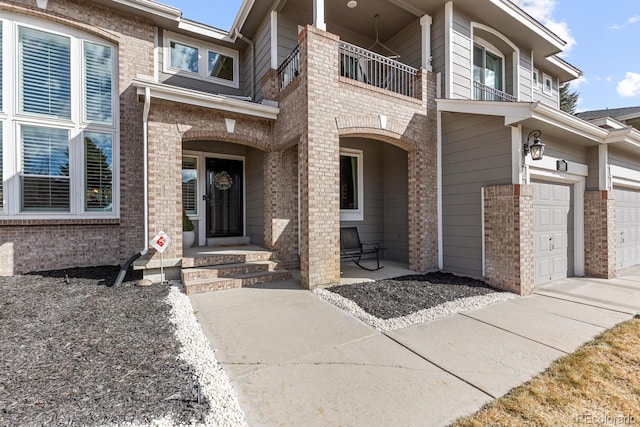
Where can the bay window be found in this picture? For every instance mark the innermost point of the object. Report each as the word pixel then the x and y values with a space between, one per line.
pixel 59 131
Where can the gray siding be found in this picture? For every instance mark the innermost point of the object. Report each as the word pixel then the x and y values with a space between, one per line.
pixel 620 158
pixel 526 78
pixel 196 84
pixel 262 44
pixel 385 197
pixel 461 56
pixel 254 184
pixel 287 37
pixel 552 99
pixel 396 200
pixel 562 149
pixel 476 152
pixel 593 180
pixel 408 43
pixel 438 47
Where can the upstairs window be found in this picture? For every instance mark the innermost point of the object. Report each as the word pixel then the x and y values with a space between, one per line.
pixel 200 60
pixel 536 79
pixel 547 86
pixel 488 68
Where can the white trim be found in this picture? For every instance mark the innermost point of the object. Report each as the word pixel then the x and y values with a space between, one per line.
pixel 535 80
pixel 603 163
pixel 318 15
pixel 545 78
pixel 425 27
pixel 203 99
pixel 482 228
pixel 439 190
pixel 493 49
pixel 153 7
pixel 448 42
pixel 203 30
pixel 548 163
pixel 624 176
pixel 355 214
pixel 578 187
pixel 564 66
pixel 274 39
pixel 76 126
pixel 203 59
pixel 517 172
pixel 241 17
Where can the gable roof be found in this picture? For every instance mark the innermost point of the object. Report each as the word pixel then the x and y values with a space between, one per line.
pixel 624 113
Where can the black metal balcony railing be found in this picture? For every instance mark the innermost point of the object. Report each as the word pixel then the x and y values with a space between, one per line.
pixel 371 68
pixel 486 93
pixel 289 69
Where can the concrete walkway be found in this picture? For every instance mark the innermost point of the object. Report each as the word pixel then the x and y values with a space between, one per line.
pixel 295 359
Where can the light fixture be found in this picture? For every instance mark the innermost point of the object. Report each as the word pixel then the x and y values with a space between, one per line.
pixel 351 4
pixel 536 148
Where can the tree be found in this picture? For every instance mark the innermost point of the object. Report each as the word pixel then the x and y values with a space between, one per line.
pixel 568 99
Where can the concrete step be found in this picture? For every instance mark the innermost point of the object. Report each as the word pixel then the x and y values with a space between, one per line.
pixel 225 270
pixel 198 286
pixel 226 257
pixel 227 241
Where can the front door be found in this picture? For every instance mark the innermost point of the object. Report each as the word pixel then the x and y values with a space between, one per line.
pixel 225 198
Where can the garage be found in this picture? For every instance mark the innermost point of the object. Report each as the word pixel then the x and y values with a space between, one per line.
pixel 627 227
pixel 553 231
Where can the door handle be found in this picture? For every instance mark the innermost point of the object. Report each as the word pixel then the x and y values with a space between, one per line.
pixel 206 197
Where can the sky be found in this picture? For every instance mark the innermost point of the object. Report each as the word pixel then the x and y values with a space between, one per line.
pixel 603 41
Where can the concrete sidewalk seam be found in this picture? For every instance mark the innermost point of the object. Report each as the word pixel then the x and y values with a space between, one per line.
pixel 439 367
pixel 519 335
pixel 625 309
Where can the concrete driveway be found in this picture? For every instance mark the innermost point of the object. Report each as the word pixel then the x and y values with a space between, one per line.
pixel 295 359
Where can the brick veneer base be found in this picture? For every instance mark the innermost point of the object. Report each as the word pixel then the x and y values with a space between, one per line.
pixel 508 237
pixel 599 236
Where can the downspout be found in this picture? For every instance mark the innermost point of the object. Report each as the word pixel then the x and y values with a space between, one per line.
pixel 145 142
pixel 253 62
pixel 145 165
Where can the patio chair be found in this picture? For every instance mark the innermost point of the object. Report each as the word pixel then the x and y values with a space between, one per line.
pixel 351 248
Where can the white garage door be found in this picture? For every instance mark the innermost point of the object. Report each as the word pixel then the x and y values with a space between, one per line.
pixel 627 227
pixel 553 231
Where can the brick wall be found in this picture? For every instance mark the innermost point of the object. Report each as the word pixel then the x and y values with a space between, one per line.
pixel 316 110
pixel 53 244
pixel 508 237
pixel 599 237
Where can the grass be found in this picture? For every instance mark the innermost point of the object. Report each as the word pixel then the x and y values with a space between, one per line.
pixel 597 385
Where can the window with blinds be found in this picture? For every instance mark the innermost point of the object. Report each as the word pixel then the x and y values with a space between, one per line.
pixel 98 154
pixel 1 175
pixel 44 73
pixel 98 70
pixel 190 185
pixel 45 169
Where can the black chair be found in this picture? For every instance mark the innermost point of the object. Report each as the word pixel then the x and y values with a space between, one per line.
pixel 351 248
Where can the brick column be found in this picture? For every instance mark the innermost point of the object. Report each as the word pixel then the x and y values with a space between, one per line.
pixel 269 85
pixel 281 205
pixel 508 237
pixel 319 159
pixel 165 183
pixel 599 236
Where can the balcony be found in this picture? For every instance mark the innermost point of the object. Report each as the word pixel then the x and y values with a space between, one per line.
pixel 485 93
pixel 361 65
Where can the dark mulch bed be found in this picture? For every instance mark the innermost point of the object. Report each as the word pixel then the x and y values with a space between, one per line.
pixel 404 295
pixel 80 353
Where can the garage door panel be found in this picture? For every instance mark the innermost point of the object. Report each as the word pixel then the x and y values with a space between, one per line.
pixel 553 231
pixel 627 227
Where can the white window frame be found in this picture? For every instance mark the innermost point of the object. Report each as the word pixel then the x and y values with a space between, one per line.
pixel 488 47
pixel 12 121
pixel 203 58
pixel 198 161
pixel 535 79
pixel 355 214
pixel 547 78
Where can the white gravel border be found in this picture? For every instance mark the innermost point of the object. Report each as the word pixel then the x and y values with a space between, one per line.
pixel 214 383
pixel 425 315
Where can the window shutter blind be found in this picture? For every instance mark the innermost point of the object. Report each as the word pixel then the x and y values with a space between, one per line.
pixel 44 73
pixel 45 169
pixel 98 154
pixel 97 83
pixel 189 184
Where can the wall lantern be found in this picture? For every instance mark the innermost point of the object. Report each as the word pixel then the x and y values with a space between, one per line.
pixel 536 148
